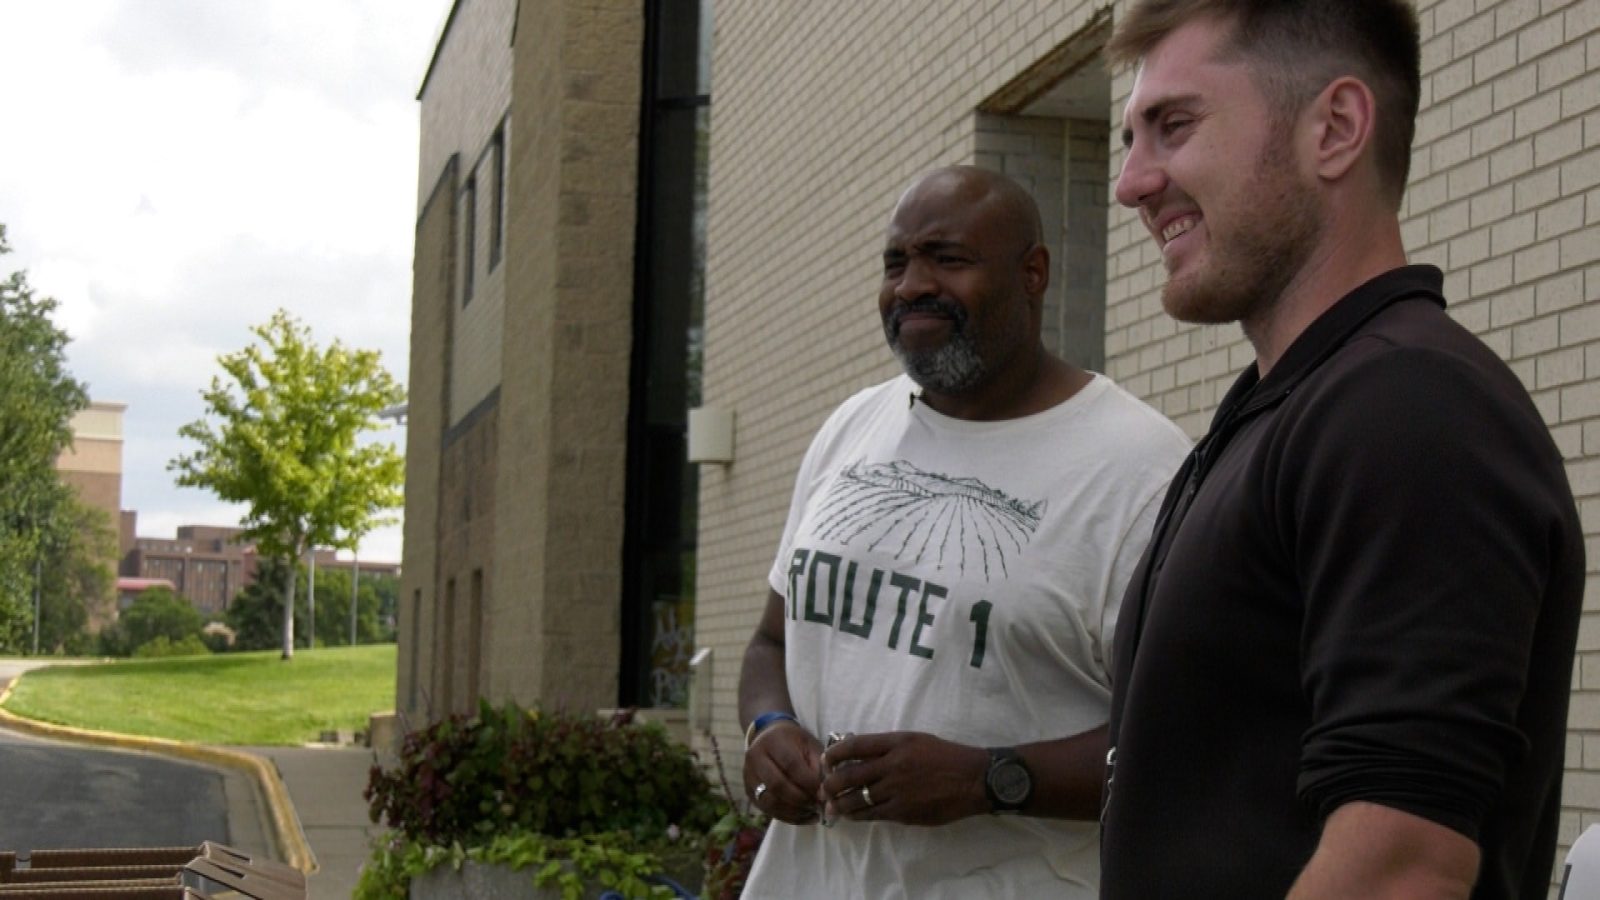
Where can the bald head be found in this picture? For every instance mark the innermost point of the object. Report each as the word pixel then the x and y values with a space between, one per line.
pixel 964 278
pixel 1000 203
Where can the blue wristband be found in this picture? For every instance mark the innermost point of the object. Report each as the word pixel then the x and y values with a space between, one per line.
pixel 762 721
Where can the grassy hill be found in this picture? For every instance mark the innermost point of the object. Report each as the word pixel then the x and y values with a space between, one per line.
pixel 233 698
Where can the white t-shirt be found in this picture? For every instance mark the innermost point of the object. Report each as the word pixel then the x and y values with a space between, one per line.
pixel 962 579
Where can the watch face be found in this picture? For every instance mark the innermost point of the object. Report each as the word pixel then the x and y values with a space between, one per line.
pixel 1010 782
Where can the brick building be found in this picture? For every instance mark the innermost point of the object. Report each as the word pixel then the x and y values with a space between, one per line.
pixel 525 488
pixel 208 564
pixel 92 463
pixel 556 287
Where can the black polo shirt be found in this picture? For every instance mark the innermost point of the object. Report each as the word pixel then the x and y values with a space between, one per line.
pixel 1365 585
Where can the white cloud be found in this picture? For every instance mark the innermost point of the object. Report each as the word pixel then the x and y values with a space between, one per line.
pixel 174 171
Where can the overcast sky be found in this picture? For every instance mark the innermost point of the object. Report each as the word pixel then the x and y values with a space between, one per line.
pixel 173 171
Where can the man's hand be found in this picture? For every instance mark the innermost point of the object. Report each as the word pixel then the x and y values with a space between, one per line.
pixel 785 758
pixel 904 776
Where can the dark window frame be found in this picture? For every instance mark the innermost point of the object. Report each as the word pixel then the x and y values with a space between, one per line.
pixel 497 207
pixel 469 239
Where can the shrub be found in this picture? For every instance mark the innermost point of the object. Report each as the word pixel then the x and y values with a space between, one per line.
pixel 568 865
pixel 464 780
pixel 160 646
pixel 731 845
pixel 155 613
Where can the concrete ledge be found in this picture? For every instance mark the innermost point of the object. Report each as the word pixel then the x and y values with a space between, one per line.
pixel 287 833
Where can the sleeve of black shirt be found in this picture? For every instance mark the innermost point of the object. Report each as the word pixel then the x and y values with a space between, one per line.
pixel 1416 495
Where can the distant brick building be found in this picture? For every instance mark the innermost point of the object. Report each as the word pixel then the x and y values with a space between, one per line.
pixel 208 565
pixel 92 463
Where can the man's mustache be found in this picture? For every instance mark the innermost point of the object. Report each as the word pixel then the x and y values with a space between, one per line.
pixel 937 305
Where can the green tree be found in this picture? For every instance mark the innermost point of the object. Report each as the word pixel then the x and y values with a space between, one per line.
pixel 333 607
pixel 256 613
pixel 37 401
pixel 155 613
pixel 281 436
pixel 77 592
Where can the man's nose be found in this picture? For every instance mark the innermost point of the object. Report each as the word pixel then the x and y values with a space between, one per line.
pixel 1141 178
pixel 915 281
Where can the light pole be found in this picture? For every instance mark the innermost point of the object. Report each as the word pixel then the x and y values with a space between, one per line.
pixel 38 584
pixel 355 586
pixel 311 601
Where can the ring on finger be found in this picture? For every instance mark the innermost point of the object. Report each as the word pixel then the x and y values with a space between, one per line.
pixel 866 795
pixel 760 789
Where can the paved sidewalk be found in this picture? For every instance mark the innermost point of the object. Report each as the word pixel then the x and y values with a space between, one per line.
pixel 325 784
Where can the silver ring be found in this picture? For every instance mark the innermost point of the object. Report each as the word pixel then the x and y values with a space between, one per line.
pixel 760 789
pixel 866 794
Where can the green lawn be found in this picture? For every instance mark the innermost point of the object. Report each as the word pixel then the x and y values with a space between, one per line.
pixel 233 698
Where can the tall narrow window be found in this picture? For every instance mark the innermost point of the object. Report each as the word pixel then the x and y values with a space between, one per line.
pixel 469 238
pixel 415 648
pixel 444 661
pixel 475 640
pixel 497 203
pixel 669 267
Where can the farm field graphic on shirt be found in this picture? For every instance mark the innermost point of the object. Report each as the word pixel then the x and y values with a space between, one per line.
pixel 923 516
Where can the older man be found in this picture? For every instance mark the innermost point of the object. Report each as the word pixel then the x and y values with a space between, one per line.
pixel 1343 666
pixel 946 587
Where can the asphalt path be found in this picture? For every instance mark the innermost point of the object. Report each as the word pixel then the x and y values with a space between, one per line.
pixel 55 795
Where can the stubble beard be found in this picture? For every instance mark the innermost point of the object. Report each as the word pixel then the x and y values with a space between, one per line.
pixel 953 367
pixel 1247 269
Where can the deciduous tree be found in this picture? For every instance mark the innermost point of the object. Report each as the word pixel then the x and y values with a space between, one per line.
pixel 38 398
pixel 78 589
pixel 281 436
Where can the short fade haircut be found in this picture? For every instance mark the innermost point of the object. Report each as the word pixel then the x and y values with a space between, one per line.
pixel 1297 47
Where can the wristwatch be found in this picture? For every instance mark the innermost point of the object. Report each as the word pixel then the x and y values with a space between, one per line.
pixel 1008 782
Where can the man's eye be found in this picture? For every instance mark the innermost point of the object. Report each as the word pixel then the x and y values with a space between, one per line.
pixel 1172 126
pixel 948 260
pixel 892 269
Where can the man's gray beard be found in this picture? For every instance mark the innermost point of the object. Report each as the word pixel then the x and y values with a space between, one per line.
pixel 951 369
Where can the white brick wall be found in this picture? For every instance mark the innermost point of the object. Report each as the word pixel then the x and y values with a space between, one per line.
pixel 823 111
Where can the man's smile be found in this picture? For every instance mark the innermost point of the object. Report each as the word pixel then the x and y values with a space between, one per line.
pixel 925 317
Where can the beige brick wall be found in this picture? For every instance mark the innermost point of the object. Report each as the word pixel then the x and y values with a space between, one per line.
pixel 805 167
pixel 516 442
pixel 558 528
pixel 465 97
pixel 467 89
pixel 431 296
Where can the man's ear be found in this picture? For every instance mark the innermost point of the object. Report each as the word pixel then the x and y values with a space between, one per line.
pixel 1036 271
pixel 1343 118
